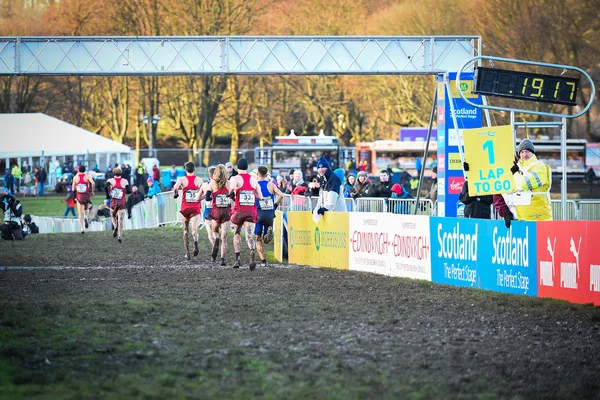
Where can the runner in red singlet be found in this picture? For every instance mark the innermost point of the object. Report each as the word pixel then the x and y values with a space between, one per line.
pixel 84 187
pixel 206 192
pixel 118 202
pixel 190 205
pixel 221 211
pixel 246 190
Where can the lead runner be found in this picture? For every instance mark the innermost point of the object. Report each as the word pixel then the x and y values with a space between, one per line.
pixel 246 190
pixel 190 205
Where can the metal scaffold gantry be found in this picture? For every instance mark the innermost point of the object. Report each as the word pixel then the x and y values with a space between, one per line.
pixel 236 55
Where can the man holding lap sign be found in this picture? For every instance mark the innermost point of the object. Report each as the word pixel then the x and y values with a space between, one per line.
pixel 524 184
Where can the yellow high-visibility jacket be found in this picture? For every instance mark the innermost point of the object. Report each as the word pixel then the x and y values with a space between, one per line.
pixel 536 177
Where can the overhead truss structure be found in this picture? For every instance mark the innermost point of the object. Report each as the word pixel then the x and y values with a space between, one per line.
pixel 236 55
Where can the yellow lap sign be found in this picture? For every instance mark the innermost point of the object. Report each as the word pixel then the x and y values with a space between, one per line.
pixel 490 154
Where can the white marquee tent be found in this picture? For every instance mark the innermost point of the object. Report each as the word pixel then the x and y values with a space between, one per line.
pixel 41 139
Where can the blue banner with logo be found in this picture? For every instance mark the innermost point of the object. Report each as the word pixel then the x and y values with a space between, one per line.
pixel 484 254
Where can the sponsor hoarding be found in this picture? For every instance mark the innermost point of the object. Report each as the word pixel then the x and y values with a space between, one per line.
pixel 322 244
pixel 390 244
pixel 278 235
pixel 484 254
pixel 568 263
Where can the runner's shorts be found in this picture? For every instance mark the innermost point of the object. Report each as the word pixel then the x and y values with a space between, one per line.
pixel 207 214
pixel 189 213
pixel 83 198
pixel 264 221
pixel 240 217
pixel 220 214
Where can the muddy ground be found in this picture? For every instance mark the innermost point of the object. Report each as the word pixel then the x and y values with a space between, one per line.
pixel 141 321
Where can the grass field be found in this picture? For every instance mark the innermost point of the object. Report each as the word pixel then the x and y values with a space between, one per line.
pixel 138 321
pixel 51 205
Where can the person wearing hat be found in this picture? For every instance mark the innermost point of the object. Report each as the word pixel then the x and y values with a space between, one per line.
pixel 246 190
pixel 400 207
pixel 331 196
pixel 533 180
pixel 230 169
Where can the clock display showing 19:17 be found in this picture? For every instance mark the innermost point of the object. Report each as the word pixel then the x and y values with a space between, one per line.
pixel 526 86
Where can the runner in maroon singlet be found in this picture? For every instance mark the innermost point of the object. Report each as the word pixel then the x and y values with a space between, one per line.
pixel 221 211
pixel 190 205
pixel 246 190
pixel 118 202
pixel 84 187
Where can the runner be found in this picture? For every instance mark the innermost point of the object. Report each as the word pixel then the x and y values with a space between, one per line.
pixel 190 205
pixel 118 202
pixel 221 211
pixel 206 191
pixel 263 231
pixel 246 192
pixel 82 183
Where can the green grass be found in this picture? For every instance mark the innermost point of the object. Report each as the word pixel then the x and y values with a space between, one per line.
pixel 51 206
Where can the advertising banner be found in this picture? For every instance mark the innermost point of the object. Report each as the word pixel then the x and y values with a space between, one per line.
pixel 390 244
pixel 320 245
pixel 490 154
pixel 484 254
pixel 467 117
pixel 278 236
pixel 568 263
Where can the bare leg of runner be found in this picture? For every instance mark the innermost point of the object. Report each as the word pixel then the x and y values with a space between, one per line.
pixel 209 227
pixel 186 235
pixel 121 217
pixel 237 241
pixel 215 239
pixel 81 214
pixel 260 249
pixel 224 231
pixel 251 244
pixel 114 214
pixel 195 222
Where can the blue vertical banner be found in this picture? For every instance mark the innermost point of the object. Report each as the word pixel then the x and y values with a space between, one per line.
pixel 450 175
pixel 484 254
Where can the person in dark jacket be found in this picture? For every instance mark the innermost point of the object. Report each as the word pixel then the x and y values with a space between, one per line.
pixel 314 185
pixel 475 206
pixel 134 198
pixel 384 187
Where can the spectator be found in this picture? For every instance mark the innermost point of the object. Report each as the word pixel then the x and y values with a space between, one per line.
pixel 28 181
pixel 41 177
pixel 172 176
pixel 362 187
pixel 156 174
pixel 331 197
pixel 126 173
pixel 433 192
pixel 134 198
pixel 281 183
pixel 16 172
pixel 230 169
pixel 154 188
pixel 533 178
pixel 503 210
pixel 400 207
pixel 590 176
pixel 405 180
pixel 70 200
pixel 9 181
pixel 28 226
pixel 313 187
pixel 349 184
pixel 297 185
pixel 475 206
pixel 384 187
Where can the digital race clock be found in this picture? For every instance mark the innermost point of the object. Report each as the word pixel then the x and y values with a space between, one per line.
pixel 526 86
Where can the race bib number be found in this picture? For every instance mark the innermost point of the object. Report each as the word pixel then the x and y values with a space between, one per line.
pixel 207 204
pixel 266 203
pixel 222 201
pixel 81 187
pixel 190 196
pixel 116 194
pixel 247 198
